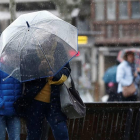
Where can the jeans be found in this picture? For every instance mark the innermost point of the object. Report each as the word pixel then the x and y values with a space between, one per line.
pixel 12 125
pixel 36 114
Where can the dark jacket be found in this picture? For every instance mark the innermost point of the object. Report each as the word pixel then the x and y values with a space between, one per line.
pixel 32 88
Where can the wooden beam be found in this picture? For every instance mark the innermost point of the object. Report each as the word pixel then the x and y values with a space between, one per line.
pixel 117 18
pixel 115 41
pixel 128 21
pixel 105 17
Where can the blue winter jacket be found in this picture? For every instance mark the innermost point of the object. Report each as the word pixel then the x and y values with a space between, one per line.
pixel 10 90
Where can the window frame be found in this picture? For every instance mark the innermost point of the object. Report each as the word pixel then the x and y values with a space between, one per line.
pixel 127 17
pixel 100 1
pixel 115 16
pixel 135 17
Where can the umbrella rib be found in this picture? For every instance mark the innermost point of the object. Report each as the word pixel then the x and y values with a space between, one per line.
pixel 55 35
pixel 43 53
pixel 54 20
pixel 25 42
pixel 18 33
pixel 20 53
pixel 34 18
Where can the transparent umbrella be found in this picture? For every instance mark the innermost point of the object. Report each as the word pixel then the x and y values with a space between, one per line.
pixel 37 45
pixel 136 52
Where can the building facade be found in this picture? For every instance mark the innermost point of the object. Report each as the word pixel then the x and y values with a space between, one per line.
pixel 118 21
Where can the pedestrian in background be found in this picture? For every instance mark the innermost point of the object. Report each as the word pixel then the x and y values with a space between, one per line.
pixel 127 74
pixel 111 84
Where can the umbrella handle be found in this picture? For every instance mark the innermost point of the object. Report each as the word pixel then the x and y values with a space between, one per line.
pixel 10 74
pixel 28 25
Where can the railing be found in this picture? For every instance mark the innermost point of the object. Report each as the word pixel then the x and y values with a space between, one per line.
pixel 103 121
pixel 107 121
pixel 117 32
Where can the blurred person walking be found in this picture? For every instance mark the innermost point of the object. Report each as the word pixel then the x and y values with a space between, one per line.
pixel 111 84
pixel 128 78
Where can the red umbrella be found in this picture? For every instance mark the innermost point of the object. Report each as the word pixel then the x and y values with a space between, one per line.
pixel 137 55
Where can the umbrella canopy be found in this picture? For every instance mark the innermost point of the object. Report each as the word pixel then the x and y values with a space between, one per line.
pixel 136 52
pixel 37 45
pixel 110 75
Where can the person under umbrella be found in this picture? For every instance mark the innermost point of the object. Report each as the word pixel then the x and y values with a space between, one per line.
pixel 43 95
pixel 10 91
pixel 28 35
pixel 31 32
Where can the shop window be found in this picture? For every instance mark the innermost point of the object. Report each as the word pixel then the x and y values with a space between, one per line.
pixel 111 10
pixel 135 9
pixel 123 12
pixel 99 10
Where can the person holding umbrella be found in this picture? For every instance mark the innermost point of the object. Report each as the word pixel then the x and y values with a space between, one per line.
pixel 37 58
pixel 46 103
pixel 128 78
